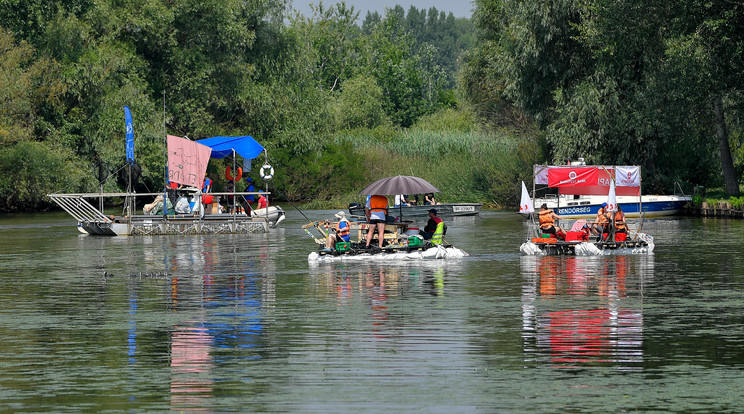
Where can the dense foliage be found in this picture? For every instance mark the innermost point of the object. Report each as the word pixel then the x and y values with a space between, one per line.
pixel 655 83
pixel 339 99
pixel 207 68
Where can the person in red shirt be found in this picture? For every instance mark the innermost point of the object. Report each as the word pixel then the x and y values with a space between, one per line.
pixel 263 202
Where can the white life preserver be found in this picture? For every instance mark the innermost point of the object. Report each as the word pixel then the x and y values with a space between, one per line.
pixel 266 172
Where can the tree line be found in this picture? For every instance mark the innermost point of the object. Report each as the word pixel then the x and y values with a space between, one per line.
pixel 227 67
pixel 339 99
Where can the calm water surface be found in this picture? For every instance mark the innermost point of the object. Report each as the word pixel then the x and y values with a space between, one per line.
pixel 245 324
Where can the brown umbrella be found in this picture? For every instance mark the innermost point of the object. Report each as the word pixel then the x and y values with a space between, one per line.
pixel 400 184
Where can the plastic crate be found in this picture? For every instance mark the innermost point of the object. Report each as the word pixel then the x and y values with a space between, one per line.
pixel 343 246
pixel 415 241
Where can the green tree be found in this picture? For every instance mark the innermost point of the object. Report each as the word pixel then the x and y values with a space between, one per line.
pixel 618 82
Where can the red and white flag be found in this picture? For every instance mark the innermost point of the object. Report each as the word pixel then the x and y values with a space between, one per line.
pixel 611 199
pixel 525 205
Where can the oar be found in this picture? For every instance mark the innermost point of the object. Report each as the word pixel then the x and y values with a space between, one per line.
pixel 316 225
pixel 640 225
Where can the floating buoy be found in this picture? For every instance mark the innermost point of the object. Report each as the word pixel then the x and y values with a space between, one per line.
pixel 266 172
pixel 228 174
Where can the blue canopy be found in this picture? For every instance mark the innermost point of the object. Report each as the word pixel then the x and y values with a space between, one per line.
pixel 246 146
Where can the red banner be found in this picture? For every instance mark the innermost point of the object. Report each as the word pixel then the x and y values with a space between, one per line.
pixel 573 177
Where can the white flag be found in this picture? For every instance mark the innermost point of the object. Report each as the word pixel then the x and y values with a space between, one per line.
pixel 525 205
pixel 628 176
pixel 611 200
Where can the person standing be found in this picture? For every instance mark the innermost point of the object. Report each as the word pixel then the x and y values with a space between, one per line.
pixel 378 207
pixel 207 186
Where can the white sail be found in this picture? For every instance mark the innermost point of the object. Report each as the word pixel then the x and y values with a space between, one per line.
pixel 525 205
pixel 611 200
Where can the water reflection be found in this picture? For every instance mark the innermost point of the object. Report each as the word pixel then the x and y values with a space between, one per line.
pixel 579 311
pixel 215 289
pixel 370 290
pixel 344 280
pixel 191 366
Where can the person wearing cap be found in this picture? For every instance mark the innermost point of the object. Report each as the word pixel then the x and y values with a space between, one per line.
pixel 432 226
pixel 342 231
pixel 602 221
pixel 249 199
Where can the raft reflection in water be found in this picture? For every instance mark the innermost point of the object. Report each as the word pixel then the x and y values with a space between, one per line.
pixel 579 311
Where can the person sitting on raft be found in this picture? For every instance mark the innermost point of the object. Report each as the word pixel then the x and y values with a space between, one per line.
pixel 601 223
pixel 377 205
pixel 401 200
pixel 263 202
pixel 431 226
pixel 547 221
pixel 342 230
pixel 620 221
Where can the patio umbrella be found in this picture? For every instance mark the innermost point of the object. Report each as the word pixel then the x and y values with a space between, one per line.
pixel 400 184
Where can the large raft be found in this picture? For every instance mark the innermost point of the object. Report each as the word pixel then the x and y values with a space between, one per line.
pixel 401 242
pixel 539 246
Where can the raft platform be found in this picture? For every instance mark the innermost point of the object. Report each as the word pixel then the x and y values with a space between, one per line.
pixel 643 244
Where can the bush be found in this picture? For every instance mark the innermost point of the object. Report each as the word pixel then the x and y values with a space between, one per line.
pixel 31 170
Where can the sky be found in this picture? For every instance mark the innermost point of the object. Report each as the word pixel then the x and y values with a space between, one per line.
pixel 459 8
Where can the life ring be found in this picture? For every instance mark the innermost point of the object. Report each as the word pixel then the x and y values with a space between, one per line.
pixel 228 174
pixel 266 172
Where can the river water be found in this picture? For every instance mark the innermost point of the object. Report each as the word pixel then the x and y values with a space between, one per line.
pixel 246 324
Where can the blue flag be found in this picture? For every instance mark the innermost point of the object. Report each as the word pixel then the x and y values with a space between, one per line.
pixel 129 134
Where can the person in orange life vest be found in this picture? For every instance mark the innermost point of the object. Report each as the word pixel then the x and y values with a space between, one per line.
pixel 601 222
pixel 342 229
pixel 547 221
pixel 263 202
pixel 431 225
pixel 377 206
pixel 620 221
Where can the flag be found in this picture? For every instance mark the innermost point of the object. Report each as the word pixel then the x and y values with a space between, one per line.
pixel 525 205
pixel 611 200
pixel 628 176
pixel 187 161
pixel 129 128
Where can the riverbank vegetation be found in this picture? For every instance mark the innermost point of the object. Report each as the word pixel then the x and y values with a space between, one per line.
pixel 340 99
